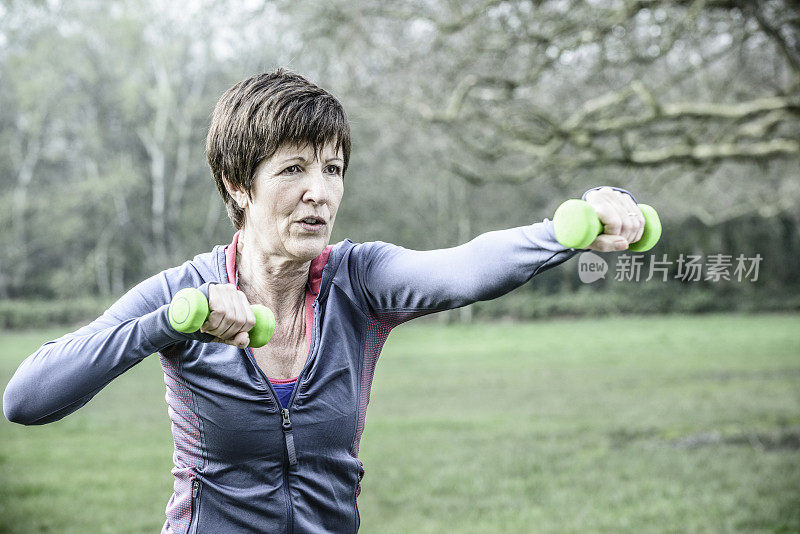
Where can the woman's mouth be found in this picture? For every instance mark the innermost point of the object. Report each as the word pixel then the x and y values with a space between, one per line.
pixel 312 224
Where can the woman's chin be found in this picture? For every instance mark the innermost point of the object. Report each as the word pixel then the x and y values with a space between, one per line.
pixel 308 248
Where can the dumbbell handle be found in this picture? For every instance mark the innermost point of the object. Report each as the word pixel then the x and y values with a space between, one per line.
pixel 189 310
pixel 576 225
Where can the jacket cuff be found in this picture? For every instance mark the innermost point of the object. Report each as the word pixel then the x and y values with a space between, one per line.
pixel 159 332
pixel 204 288
pixel 612 187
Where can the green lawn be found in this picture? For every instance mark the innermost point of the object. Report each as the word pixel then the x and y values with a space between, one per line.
pixel 615 425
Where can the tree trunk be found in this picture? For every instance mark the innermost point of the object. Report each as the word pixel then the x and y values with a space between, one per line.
pixel 183 159
pixel 464 235
pixel 19 217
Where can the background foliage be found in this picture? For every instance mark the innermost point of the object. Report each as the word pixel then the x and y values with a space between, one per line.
pixel 467 116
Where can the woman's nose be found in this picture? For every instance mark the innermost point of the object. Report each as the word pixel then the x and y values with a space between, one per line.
pixel 316 189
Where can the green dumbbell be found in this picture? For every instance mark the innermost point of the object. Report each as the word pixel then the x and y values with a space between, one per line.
pixel 189 310
pixel 576 226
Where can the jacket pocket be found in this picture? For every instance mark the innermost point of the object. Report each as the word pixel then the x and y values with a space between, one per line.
pixel 358 492
pixel 360 476
pixel 197 489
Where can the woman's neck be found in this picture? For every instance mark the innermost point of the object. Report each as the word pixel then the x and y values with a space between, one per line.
pixel 272 280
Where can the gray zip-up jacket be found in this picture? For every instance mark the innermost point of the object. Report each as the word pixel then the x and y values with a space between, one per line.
pixel 242 464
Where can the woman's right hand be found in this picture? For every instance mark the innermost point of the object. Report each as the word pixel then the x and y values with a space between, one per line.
pixel 230 316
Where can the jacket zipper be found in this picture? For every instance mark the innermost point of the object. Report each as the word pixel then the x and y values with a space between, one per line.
pixel 286 423
pixel 289 509
pixel 312 353
pixel 274 399
pixel 195 506
pixel 358 492
pixel 288 437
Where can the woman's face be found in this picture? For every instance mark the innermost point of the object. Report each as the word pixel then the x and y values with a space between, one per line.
pixel 295 196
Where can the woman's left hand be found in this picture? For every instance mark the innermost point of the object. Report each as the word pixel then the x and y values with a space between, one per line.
pixel 623 222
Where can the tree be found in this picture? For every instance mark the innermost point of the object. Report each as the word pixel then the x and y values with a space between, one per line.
pixel 558 90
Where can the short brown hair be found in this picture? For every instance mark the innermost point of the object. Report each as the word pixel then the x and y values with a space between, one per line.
pixel 258 115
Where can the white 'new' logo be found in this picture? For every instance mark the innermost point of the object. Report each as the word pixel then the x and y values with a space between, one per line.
pixel 591 267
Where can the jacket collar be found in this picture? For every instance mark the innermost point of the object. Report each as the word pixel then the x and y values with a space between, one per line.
pixel 314 272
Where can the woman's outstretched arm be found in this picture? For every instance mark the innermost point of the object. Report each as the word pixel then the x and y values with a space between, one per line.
pixel 396 280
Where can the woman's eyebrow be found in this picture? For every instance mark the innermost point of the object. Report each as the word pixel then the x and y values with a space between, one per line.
pixel 294 158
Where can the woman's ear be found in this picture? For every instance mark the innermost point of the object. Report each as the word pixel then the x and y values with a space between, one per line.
pixel 240 197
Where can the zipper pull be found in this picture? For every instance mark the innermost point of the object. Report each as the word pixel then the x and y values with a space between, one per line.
pixel 195 487
pixel 287 434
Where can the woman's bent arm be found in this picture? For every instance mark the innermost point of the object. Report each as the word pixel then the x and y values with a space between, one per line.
pixel 66 373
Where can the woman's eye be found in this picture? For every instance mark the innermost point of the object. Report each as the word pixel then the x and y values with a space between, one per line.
pixel 292 169
pixel 333 169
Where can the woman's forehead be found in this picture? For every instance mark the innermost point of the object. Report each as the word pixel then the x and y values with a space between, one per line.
pixel 306 151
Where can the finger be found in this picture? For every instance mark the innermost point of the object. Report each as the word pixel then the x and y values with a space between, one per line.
pixel 250 316
pixel 241 340
pixel 228 327
pixel 609 243
pixel 239 313
pixel 244 312
pixel 621 209
pixel 608 214
pixel 213 320
pixel 216 306
pixel 639 217
pixel 635 221
pixel 222 318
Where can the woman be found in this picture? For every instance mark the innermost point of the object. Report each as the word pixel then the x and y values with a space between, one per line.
pixel 266 440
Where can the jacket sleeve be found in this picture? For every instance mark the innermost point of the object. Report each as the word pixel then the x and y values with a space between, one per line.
pixel 403 283
pixel 393 279
pixel 64 374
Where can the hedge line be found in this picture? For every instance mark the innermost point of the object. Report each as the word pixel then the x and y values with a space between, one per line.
pixel 24 314
pixel 525 306
pixel 519 305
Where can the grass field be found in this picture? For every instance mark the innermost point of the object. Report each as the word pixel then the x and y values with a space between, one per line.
pixel 616 425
